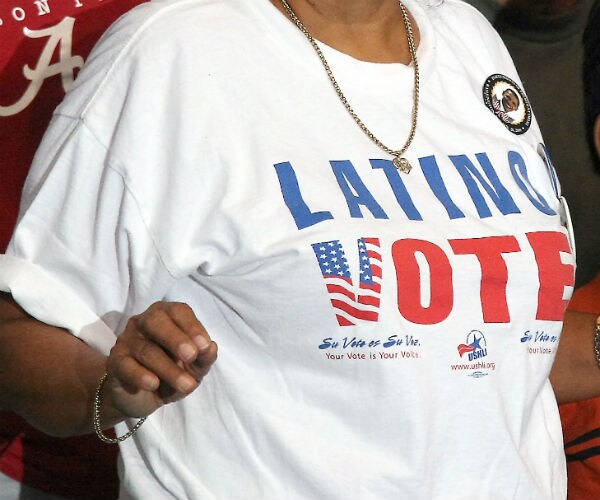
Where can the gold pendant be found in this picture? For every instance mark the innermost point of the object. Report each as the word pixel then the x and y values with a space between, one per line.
pixel 402 164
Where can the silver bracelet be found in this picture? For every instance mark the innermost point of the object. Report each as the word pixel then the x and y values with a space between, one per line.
pixel 96 417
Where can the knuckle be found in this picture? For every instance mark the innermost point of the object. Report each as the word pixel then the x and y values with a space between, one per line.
pixel 120 349
pixel 116 364
pixel 145 353
pixel 141 322
pixel 180 308
pixel 151 320
pixel 157 306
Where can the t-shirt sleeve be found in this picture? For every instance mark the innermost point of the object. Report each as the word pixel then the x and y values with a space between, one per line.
pixel 81 256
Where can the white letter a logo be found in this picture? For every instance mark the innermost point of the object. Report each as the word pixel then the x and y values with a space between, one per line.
pixel 59 35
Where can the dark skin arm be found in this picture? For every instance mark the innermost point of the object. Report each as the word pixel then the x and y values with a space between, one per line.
pixel 575 374
pixel 49 376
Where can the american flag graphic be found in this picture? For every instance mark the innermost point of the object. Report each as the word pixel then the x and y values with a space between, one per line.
pixel 341 287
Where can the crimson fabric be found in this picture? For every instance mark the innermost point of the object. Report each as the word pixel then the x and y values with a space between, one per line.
pixel 79 468
pixel 27 30
pixel 42 47
pixel 581 420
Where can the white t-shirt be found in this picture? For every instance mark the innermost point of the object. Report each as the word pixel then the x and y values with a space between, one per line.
pixel 381 335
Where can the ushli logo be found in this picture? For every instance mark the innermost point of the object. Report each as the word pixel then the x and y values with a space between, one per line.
pixel 475 346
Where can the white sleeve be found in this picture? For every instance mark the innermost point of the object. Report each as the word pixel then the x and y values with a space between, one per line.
pixel 81 256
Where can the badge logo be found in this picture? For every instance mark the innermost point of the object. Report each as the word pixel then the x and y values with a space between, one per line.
pixel 475 346
pixel 471 354
pixel 508 102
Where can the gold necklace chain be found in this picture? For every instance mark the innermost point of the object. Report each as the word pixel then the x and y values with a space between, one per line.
pixel 399 162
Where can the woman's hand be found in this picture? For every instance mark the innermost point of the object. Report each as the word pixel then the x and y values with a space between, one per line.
pixel 162 356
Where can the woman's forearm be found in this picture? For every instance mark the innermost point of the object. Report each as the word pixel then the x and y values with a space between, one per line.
pixel 47 375
pixel 50 377
pixel 575 374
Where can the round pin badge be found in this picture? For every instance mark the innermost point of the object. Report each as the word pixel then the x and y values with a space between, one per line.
pixel 508 102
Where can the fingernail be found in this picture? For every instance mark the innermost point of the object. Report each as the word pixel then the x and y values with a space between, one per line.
pixel 201 342
pixel 185 383
pixel 149 382
pixel 187 352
